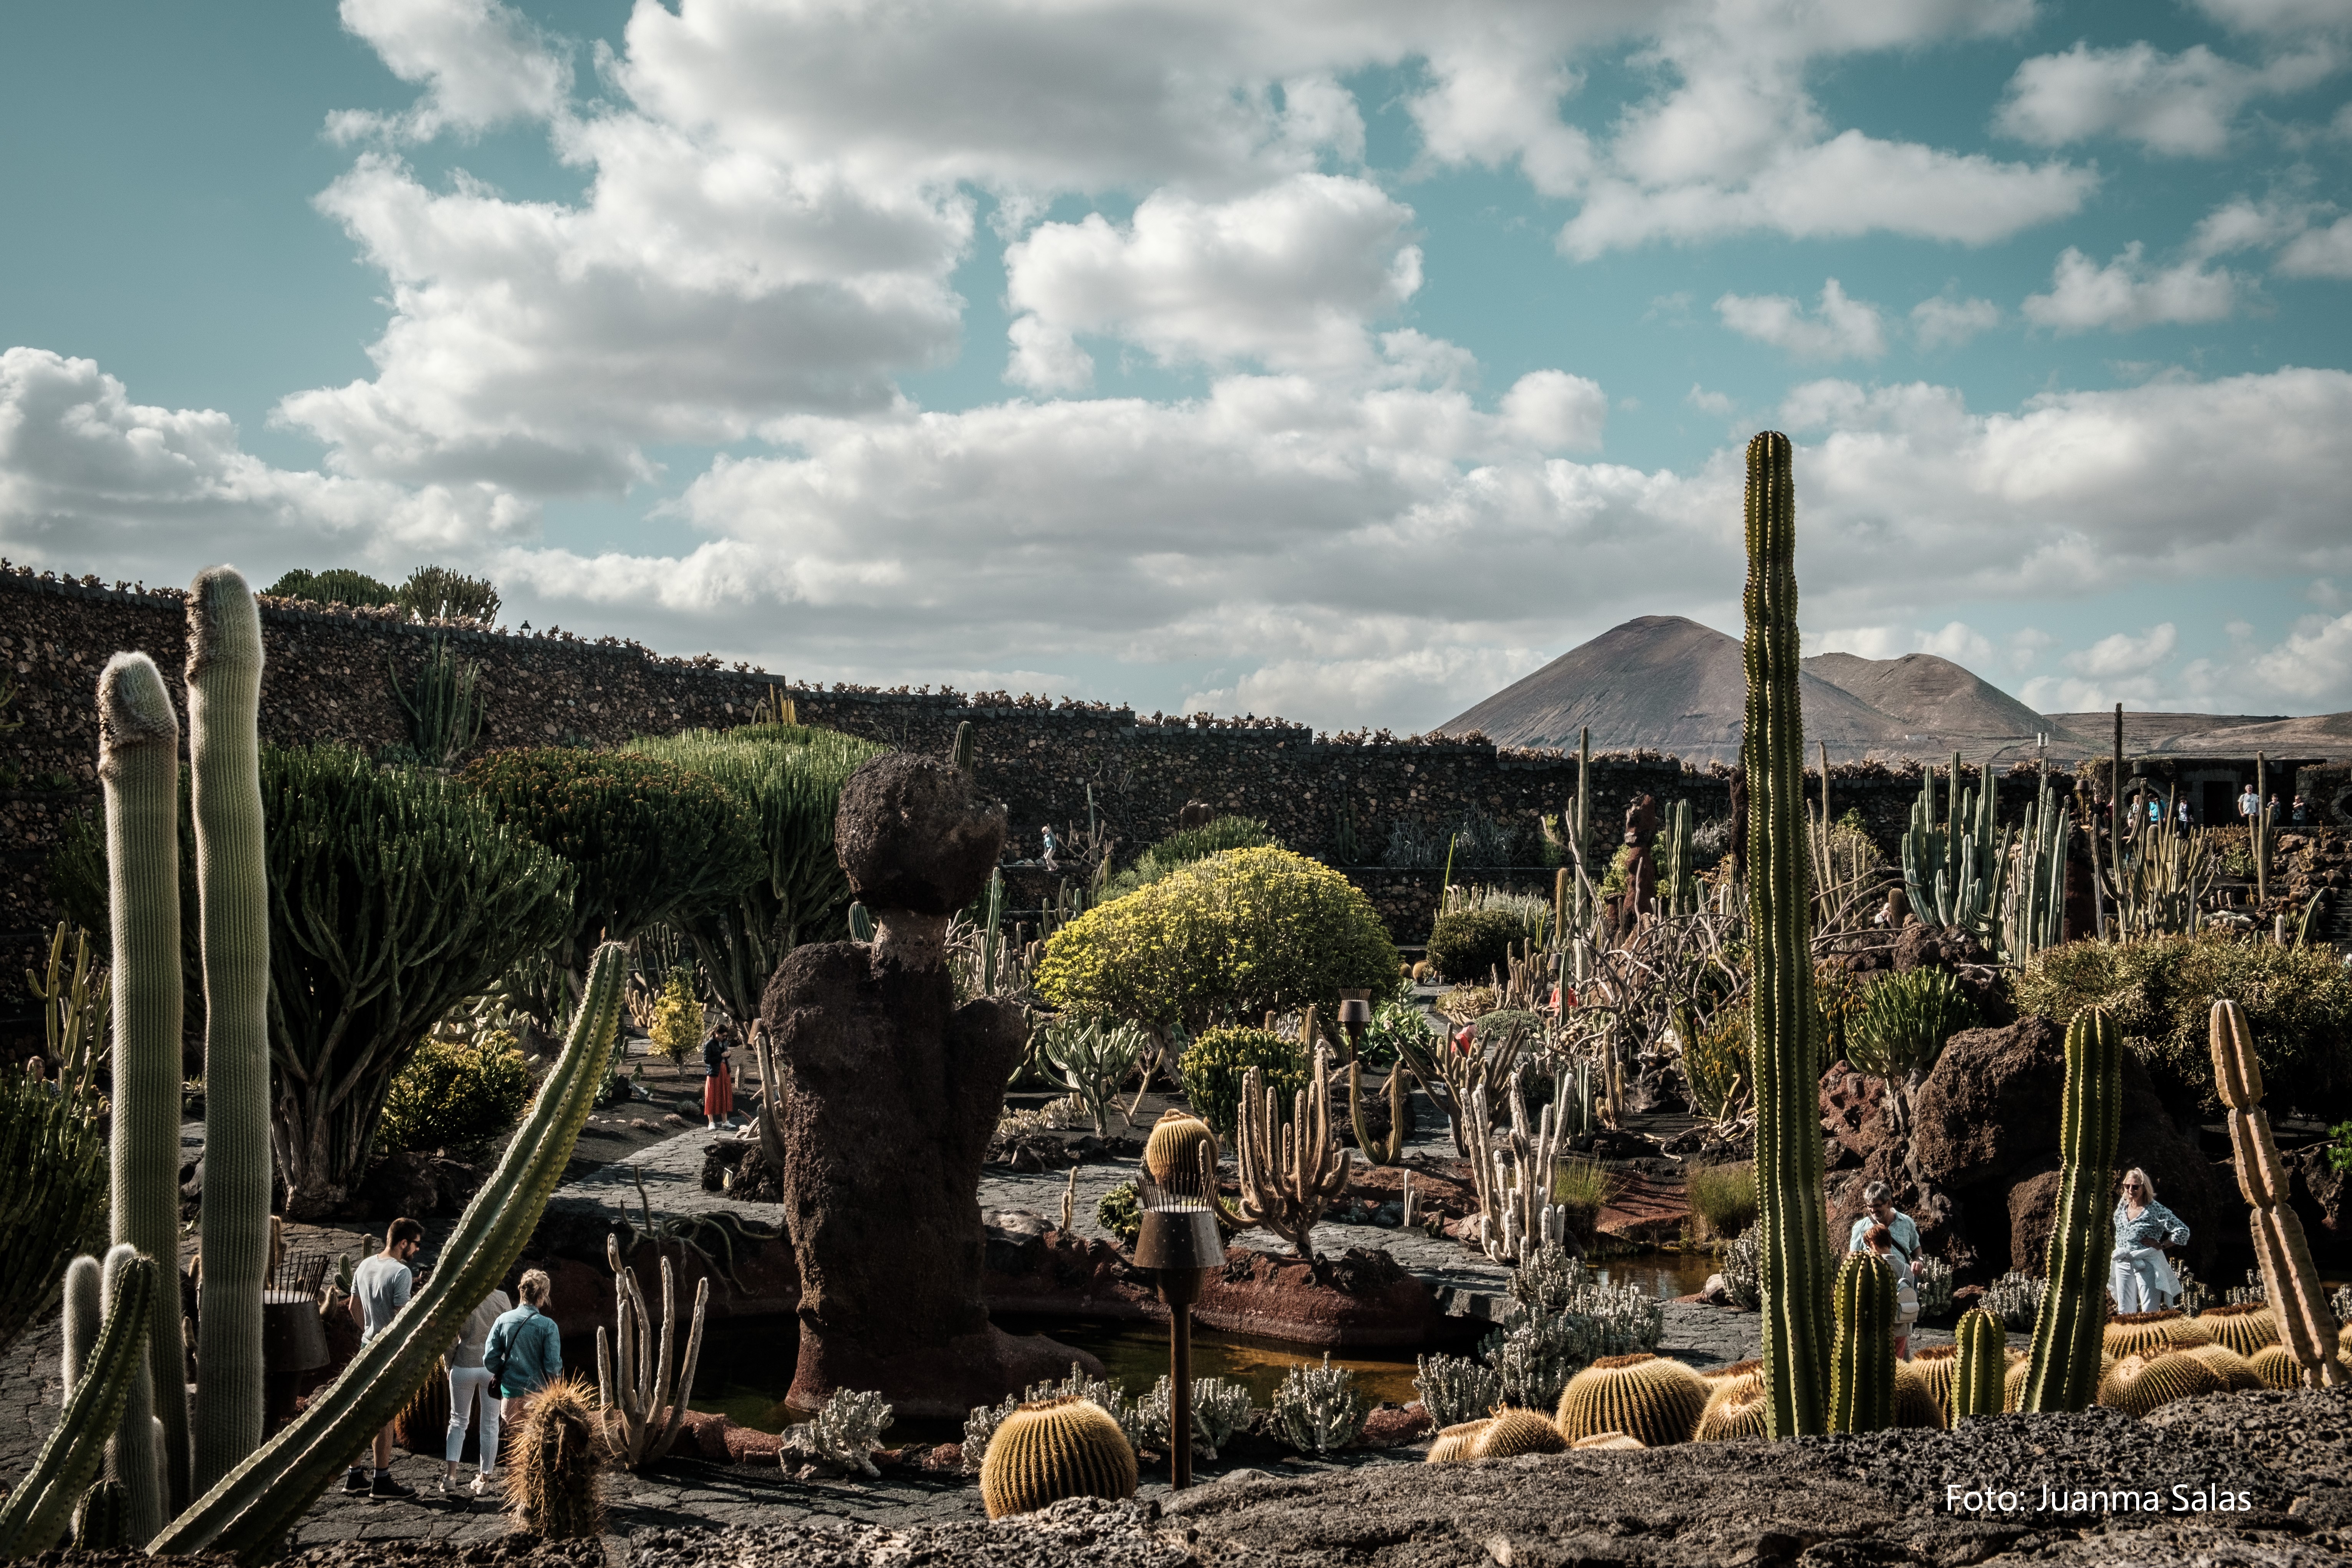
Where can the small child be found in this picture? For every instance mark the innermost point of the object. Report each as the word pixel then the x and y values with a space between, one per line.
pixel 1881 1242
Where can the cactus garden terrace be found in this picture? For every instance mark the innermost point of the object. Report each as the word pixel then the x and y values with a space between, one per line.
pixel 446 917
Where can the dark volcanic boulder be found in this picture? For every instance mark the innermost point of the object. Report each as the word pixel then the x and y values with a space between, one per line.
pixel 2316 1189
pixel 916 835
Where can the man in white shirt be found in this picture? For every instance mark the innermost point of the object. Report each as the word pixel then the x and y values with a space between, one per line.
pixel 380 1289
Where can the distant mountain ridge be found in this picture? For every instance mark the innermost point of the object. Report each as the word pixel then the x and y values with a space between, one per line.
pixel 1669 684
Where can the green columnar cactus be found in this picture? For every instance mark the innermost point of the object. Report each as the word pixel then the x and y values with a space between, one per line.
pixel 249 1510
pixel 2068 1335
pixel 81 1314
pixel 1983 1362
pixel 1861 1364
pixel 1290 1170
pixel 135 1461
pixel 102 1520
pixel 138 767
pixel 2038 902
pixel 1385 1151
pixel 1786 1050
pixel 37 1509
pixel 224 765
pixel 1676 889
pixel 2306 1322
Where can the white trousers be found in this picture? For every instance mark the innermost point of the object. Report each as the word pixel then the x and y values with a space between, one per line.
pixel 466 1384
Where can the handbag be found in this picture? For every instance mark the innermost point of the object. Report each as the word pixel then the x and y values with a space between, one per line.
pixel 494 1358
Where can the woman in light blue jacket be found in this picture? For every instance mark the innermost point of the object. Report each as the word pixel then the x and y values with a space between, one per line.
pixel 2143 1279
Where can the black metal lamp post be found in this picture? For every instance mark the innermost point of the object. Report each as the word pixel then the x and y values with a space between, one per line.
pixel 1355 1016
pixel 1179 1239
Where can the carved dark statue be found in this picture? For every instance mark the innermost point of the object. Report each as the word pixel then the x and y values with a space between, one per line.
pixel 884 1094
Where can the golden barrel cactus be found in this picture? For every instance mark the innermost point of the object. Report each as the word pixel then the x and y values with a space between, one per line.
pixel 2138 1383
pixel 1735 1409
pixel 1915 1404
pixel 2139 1333
pixel 1514 1432
pixel 1606 1442
pixel 1175 1145
pixel 1650 1398
pixel 2234 1370
pixel 1454 1443
pixel 2244 1329
pixel 1052 1448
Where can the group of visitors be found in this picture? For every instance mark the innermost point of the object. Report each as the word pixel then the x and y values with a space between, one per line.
pixel 2142 1280
pixel 503 1356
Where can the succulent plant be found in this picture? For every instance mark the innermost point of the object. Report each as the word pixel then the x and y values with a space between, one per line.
pixel 2244 1329
pixel 2138 1383
pixel 2067 1333
pixel 2016 1299
pixel 2234 1370
pixel 553 1490
pixel 1514 1431
pixel 1861 1362
pixel 1454 1444
pixel 2137 1333
pixel 632 1369
pixel 1318 1409
pixel 1916 1403
pixel 1737 1408
pixel 1220 1409
pixel 1649 1397
pixel 1979 1363
pixel 844 1433
pixel 39 1508
pixel 1052 1449
pixel 1456 1389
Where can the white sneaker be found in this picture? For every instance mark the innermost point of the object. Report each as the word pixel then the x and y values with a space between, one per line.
pixel 481 1483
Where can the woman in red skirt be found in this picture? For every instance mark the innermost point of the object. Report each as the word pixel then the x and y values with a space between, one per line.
pixel 718 1088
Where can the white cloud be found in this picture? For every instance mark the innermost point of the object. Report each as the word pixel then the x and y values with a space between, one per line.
pixel 1556 411
pixel 2182 105
pixel 2320 252
pixel 2126 294
pixel 1956 640
pixel 2123 654
pixel 2281 16
pixel 1945 322
pixel 1840 328
pixel 2313 666
pixel 1440 681
pixel 88 477
pixel 1287 275
pixel 1716 402
pixel 481 63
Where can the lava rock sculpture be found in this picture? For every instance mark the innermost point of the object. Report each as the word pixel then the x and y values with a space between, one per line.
pixel 883 1093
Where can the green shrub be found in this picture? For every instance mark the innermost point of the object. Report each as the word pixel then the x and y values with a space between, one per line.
pixel 1905 1020
pixel 1213 1065
pixel 435 593
pixel 1723 1197
pixel 1393 1022
pixel 335 585
pixel 1468 945
pixel 1230 938
pixel 677 1017
pixel 2297 1001
pixel 455 1095
pixel 1121 1212
pixel 1188 845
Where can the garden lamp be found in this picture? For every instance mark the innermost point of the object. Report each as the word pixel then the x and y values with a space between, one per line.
pixel 1178 1241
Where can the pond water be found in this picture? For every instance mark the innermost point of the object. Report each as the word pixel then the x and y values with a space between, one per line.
pixel 747 1365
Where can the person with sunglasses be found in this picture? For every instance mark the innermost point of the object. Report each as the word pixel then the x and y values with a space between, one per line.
pixel 2143 1279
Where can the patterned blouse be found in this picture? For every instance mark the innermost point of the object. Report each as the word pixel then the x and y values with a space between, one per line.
pixel 2156 1227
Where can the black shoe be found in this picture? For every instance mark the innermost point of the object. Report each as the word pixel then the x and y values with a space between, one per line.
pixel 355 1479
pixel 388 1485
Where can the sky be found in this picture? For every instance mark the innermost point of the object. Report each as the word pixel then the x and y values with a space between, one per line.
pixel 1344 360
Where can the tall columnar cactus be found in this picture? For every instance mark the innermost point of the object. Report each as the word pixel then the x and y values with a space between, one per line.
pixel 135 1458
pixel 1786 1046
pixel 1983 1362
pixel 2306 1322
pixel 2068 1335
pixel 1388 1150
pixel 645 1418
pixel 1861 1364
pixel 249 1510
pixel 2037 900
pixel 37 1509
pixel 1290 1170
pixel 1954 873
pixel 1677 891
pixel 138 767
pixel 224 763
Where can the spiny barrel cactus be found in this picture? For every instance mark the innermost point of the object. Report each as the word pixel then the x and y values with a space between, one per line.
pixel 39 1507
pixel 1861 1364
pixel 223 677
pixel 1649 1397
pixel 2137 1333
pixel 1916 1402
pixel 251 1508
pixel 1514 1432
pixel 2234 1371
pixel 1786 1049
pixel 2244 1328
pixel 2307 1324
pixel 1454 1444
pixel 1737 1408
pixel 2066 1335
pixel 552 1487
pixel 1052 1448
pixel 1979 1365
pixel 2138 1383
pixel 138 768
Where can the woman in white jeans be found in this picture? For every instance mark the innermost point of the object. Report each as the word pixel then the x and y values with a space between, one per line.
pixel 469 1379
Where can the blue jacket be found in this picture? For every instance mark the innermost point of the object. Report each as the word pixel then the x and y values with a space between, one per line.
pixel 530 1347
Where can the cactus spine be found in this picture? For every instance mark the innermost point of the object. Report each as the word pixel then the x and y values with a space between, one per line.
pixel 1861 1364
pixel 249 1510
pixel 2068 1335
pixel 1983 1362
pixel 1785 1050
pixel 138 768
pixel 40 1506
pixel 224 763
pixel 2307 1325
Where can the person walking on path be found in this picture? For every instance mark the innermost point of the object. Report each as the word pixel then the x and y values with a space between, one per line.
pixel 380 1289
pixel 2143 1279
pixel 525 1350
pixel 471 1381
pixel 1878 1204
pixel 719 1088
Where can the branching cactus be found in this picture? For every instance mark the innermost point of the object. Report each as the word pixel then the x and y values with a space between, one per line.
pixel 225 764
pixel 1290 1172
pixel 249 1510
pixel 1385 1151
pixel 1862 1361
pixel 1785 1047
pixel 1983 1362
pixel 643 1418
pixel 2068 1334
pixel 138 767
pixel 39 1508
pixel 2306 1318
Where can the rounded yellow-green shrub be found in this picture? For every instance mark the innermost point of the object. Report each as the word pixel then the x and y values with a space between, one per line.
pixel 1514 1432
pixel 1652 1399
pixel 1454 1444
pixel 1214 1066
pixel 677 1017
pixel 1226 938
pixel 455 1095
pixel 1052 1448
pixel 2244 1329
